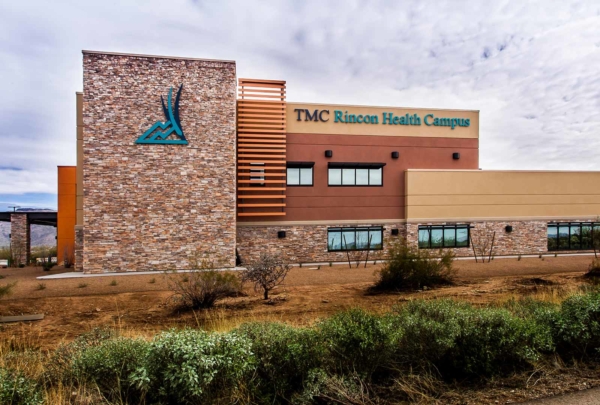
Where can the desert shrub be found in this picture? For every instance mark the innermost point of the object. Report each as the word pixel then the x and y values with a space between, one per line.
pixel 110 366
pixel 322 388
pixel 191 367
pixel 59 367
pixel 6 289
pixel 203 286
pixel 68 256
pixel 409 268
pixel 460 340
pixel 593 269
pixel 5 254
pixel 17 389
pixel 577 329
pixel 266 273
pixel 356 341
pixel 284 357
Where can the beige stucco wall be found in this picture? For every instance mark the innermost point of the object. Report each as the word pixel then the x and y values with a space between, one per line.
pixel 422 130
pixel 434 195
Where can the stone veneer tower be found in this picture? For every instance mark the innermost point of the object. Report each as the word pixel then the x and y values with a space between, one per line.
pixel 152 206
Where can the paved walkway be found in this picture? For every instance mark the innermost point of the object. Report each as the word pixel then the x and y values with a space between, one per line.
pixel 587 397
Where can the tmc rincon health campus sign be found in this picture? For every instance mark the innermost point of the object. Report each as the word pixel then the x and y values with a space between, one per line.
pixel 385 118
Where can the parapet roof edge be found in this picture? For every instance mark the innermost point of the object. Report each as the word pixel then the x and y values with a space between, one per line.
pixel 139 55
pixel 384 106
pixel 503 171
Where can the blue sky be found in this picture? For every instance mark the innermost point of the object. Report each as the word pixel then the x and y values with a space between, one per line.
pixel 531 68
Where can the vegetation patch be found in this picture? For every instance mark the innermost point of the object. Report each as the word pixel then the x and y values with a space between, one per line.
pixel 409 353
pixel 411 268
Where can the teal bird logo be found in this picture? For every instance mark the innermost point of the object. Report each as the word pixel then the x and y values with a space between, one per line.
pixel 168 132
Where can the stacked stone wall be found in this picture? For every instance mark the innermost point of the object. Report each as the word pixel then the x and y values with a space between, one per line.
pixel 526 237
pixel 20 238
pixel 78 248
pixel 304 243
pixel 308 243
pixel 148 206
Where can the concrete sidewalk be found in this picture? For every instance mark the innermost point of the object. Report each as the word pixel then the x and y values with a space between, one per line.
pixel 586 397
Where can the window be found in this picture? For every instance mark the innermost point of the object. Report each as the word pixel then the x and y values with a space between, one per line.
pixel 443 236
pixel 572 235
pixel 257 174
pixel 367 238
pixel 355 174
pixel 300 173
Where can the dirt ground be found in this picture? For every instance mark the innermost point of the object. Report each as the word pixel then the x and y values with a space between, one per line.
pixel 140 304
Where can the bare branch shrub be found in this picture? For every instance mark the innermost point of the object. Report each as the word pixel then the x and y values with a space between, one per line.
pixel 203 286
pixel 482 242
pixel 16 255
pixel 68 256
pixel 266 273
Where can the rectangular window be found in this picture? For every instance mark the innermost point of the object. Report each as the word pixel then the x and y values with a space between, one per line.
pixel 257 174
pixel 572 235
pixel 300 173
pixel 443 236
pixel 355 174
pixel 355 238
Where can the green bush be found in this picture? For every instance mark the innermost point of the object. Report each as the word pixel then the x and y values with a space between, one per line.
pixel 460 340
pixel 356 341
pixel 284 357
pixel 410 268
pixel 340 359
pixel 110 366
pixel 60 365
pixel 577 329
pixel 17 389
pixel 191 367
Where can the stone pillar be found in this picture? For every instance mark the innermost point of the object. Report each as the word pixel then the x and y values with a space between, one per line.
pixel 78 248
pixel 20 242
pixel 154 206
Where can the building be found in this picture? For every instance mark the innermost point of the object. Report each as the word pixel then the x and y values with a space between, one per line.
pixel 178 156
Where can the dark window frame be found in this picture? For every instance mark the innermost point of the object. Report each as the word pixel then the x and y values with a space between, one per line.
pixel 456 227
pixel 342 230
pixel 354 166
pixel 300 165
pixel 571 225
pixel 257 174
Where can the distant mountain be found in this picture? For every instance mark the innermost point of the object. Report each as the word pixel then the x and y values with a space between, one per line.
pixel 40 235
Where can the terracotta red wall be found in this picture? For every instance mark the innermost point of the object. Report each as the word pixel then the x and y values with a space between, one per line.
pixel 321 202
pixel 67 211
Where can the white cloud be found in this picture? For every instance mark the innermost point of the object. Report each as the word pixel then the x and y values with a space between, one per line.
pixel 530 67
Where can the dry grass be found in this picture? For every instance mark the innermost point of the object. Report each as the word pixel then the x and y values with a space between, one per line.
pixel 135 307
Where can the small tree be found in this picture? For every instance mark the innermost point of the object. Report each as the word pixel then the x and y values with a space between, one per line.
pixel 203 286
pixel 266 273
pixel 596 238
pixel 482 242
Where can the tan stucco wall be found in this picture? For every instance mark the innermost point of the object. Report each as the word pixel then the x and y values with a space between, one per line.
pixel 434 195
pixel 428 131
